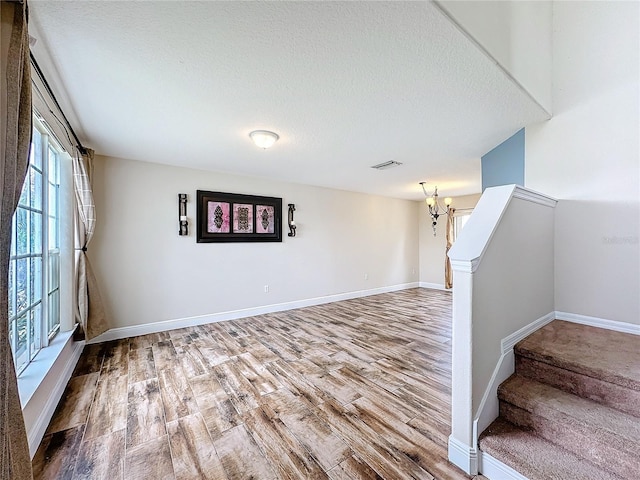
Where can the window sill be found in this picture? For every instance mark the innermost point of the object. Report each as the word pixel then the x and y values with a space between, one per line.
pixel 32 376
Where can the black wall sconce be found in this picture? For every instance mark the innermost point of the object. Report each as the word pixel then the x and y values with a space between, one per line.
pixel 291 221
pixel 182 214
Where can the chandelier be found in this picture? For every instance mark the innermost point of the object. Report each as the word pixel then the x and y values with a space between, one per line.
pixel 435 208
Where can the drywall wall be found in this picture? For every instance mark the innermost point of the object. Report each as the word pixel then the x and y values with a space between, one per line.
pixel 513 286
pixel 504 164
pixel 432 249
pixel 149 274
pixel 588 157
pixel 516 34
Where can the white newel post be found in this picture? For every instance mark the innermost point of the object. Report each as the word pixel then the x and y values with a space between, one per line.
pixel 462 448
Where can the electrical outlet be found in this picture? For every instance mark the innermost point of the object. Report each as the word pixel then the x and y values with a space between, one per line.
pixel 366 276
pixel 414 270
pixel 266 289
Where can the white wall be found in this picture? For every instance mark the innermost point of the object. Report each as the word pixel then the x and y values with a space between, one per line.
pixel 432 249
pixel 148 273
pixel 513 286
pixel 516 34
pixel 588 156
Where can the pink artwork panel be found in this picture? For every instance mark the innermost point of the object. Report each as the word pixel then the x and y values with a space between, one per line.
pixel 218 217
pixel 242 218
pixel 265 219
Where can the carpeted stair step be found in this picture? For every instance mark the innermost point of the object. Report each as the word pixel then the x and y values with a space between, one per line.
pixel 595 363
pixel 621 398
pixel 600 434
pixel 536 458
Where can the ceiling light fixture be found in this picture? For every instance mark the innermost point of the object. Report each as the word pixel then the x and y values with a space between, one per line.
pixel 264 138
pixel 435 209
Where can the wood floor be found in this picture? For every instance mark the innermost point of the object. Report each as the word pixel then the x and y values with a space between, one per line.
pixel 358 389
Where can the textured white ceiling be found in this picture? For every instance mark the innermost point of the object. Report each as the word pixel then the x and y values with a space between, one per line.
pixel 346 85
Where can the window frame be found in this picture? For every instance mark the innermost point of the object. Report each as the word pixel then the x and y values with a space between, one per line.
pixel 457 225
pixel 38 335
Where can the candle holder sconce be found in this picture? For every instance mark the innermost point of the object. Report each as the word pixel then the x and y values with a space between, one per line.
pixel 182 214
pixel 291 221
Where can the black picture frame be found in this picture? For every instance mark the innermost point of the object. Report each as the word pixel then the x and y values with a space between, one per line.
pixel 232 217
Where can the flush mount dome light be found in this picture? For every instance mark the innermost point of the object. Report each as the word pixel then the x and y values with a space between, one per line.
pixel 264 138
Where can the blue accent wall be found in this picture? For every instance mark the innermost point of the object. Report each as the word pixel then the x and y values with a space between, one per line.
pixel 504 164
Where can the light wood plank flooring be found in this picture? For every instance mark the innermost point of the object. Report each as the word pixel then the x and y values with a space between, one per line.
pixel 358 389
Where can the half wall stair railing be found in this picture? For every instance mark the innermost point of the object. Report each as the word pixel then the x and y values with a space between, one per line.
pixel 503 263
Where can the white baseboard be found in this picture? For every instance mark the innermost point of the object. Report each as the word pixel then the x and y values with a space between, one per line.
pixel 488 409
pixel 623 327
pixel 155 327
pixel 435 286
pixel 509 342
pixel 496 470
pixel 62 376
pixel 463 456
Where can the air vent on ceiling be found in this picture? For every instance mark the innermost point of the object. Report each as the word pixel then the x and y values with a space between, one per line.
pixel 385 165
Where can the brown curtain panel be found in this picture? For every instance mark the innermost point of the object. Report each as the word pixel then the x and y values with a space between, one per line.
pixel 15 110
pixel 90 313
pixel 448 273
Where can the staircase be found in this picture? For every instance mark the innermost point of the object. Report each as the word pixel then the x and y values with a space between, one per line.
pixel 572 409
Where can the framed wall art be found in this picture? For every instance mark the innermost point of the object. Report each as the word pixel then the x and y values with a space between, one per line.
pixel 233 217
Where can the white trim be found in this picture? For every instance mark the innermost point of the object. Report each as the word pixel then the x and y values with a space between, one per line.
pixel 509 342
pixel 494 469
pixel 489 405
pixel 468 266
pixel 488 410
pixel 481 226
pixel 534 197
pixel 468 250
pixel 32 377
pixel 434 286
pixel 461 212
pixel 623 327
pixel 155 327
pixel 39 427
pixel 463 456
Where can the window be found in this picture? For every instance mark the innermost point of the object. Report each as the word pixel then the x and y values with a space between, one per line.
pixel 460 218
pixel 34 266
